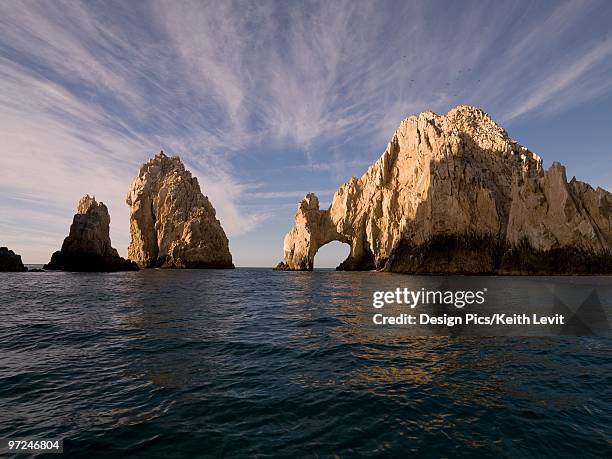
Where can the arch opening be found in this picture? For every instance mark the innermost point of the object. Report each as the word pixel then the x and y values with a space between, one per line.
pixel 331 255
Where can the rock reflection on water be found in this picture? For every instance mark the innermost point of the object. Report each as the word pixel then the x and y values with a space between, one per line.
pixel 392 363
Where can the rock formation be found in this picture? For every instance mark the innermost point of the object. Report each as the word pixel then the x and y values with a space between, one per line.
pixel 172 224
pixel 10 261
pixel 88 245
pixel 454 194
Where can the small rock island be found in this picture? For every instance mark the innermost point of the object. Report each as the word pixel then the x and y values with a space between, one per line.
pixel 10 261
pixel 455 194
pixel 172 224
pixel 88 245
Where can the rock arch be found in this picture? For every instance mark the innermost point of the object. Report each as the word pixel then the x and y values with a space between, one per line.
pixel 313 229
pixel 455 194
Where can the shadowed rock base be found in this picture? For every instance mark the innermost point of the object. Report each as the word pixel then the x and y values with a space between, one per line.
pixel 89 262
pixel 170 262
pixel 474 255
pixel 482 255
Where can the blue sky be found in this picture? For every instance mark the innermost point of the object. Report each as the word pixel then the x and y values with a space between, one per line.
pixel 266 101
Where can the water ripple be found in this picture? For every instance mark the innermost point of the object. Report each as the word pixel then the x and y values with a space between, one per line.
pixel 257 363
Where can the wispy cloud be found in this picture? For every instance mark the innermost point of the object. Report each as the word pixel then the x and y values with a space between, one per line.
pixel 569 83
pixel 289 194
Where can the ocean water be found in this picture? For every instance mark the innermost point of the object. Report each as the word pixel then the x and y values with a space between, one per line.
pixel 252 362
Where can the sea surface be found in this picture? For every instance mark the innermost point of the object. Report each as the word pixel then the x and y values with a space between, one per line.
pixel 252 362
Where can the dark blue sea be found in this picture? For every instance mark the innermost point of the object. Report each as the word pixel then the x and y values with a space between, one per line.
pixel 252 362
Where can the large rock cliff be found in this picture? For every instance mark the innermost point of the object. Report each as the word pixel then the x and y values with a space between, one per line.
pixel 10 261
pixel 88 245
pixel 172 224
pixel 454 194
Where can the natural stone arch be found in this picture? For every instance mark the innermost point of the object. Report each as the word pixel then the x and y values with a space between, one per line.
pixel 313 229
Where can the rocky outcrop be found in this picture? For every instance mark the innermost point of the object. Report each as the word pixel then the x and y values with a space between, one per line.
pixel 454 194
pixel 10 261
pixel 88 245
pixel 172 224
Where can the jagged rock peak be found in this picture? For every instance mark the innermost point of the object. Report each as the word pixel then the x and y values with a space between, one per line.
pixel 172 224
pixel 87 202
pixel 88 245
pixel 10 261
pixel 455 194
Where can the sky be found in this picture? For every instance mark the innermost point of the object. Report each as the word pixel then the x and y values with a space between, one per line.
pixel 266 101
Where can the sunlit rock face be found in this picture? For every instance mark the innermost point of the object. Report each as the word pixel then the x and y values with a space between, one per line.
pixel 88 245
pixel 454 194
pixel 172 224
pixel 10 261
